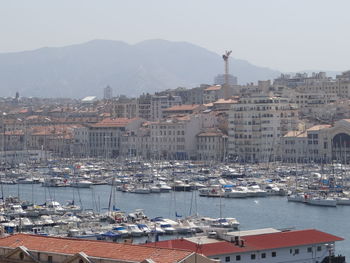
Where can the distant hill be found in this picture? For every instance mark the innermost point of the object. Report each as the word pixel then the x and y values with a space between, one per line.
pixel 85 69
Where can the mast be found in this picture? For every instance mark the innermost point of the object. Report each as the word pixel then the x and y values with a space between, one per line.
pixel 225 57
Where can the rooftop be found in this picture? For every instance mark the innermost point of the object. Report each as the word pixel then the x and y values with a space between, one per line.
pixel 257 242
pixel 184 107
pixel 111 123
pixel 319 127
pixel 216 87
pixel 99 249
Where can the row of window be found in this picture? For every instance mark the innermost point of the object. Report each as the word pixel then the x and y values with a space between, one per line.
pixel 273 254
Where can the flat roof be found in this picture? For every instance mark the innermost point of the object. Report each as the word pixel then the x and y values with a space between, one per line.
pixel 253 232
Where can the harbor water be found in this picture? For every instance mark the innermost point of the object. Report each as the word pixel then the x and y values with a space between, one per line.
pixel 252 213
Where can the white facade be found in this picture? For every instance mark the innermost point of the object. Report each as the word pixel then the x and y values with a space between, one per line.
pixel 159 103
pixel 175 138
pixel 299 254
pixel 256 125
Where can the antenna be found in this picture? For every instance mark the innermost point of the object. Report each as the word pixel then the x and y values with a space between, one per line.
pixel 226 84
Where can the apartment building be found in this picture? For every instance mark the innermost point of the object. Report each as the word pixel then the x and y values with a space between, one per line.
pixel 175 137
pixel 211 145
pixel 213 93
pixel 105 136
pixel 124 108
pixel 137 143
pixel 160 103
pixel 183 109
pixel 320 83
pixel 256 125
pixel 262 245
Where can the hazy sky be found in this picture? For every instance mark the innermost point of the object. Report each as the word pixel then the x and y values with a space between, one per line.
pixel 288 35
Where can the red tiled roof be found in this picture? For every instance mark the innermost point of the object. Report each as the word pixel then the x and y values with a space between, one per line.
pixel 184 107
pixel 216 87
pixel 93 248
pixel 254 242
pixel 108 122
pixel 217 248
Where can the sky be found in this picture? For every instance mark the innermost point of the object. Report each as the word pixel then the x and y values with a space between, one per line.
pixel 286 35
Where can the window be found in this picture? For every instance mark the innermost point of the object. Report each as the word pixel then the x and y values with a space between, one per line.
pixel 252 256
pixel 309 249
pixel 273 254
pixel 263 255
pixel 227 259
pixel 49 259
pixel 319 248
pixel 238 257
pixel 290 251
pixel 296 251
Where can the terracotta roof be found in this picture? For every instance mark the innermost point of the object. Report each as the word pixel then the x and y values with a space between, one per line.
pixel 108 122
pixel 319 127
pixel 254 242
pixel 223 101
pixel 92 248
pixel 298 134
pixel 216 87
pixel 184 107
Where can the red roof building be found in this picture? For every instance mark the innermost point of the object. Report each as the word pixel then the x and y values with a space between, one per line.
pixel 308 245
pixel 35 248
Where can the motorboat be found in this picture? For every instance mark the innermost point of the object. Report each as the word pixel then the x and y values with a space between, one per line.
pixel 320 201
pixel 82 184
pixel 144 228
pixel 134 230
pixel 121 230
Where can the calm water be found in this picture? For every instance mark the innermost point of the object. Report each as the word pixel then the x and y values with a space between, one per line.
pixel 252 213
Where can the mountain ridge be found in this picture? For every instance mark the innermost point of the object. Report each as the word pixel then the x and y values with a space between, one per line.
pixel 84 69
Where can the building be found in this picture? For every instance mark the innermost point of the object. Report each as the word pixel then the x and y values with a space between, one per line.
pixel 175 137
pixel 264 245
pixel 36 249
pixel 107 93
pixel 320 143
pixel 105 136
pixel 160 103
pixel 213 93
pixel 211 145
pixel 256 125
pixel 124 108
pixel 220 79
pixel 183 110
pixel 144 106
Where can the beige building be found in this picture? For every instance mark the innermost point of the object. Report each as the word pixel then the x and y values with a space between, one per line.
pixel 320 143
pixel 105 136
pixel 211 145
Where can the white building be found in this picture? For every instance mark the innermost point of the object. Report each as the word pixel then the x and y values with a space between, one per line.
pixel 211 145
pixel 160 103
pixel 220 79
pixel 320 143
pixel 175 137
pixel 105 136
pixel 256 125
pixel 266 245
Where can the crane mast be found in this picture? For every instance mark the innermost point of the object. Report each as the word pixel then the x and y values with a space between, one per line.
pixel 226 75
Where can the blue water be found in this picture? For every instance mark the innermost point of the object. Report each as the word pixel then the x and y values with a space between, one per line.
pixel 252 213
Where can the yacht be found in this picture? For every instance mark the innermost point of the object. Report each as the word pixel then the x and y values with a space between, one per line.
pixel 320 201
pixel 82 184
pixel 134 230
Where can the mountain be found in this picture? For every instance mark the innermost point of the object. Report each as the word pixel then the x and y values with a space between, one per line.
pixel 85 69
